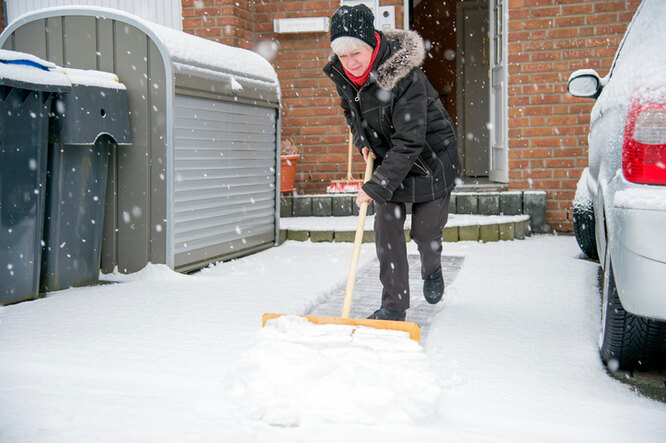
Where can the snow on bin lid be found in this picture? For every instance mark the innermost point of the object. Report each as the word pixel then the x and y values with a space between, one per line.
pixel 189 54
pixel 85 77
pixel 27 69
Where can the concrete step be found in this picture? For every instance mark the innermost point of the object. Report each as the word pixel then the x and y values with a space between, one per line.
pixel 485 228
pixel 532 203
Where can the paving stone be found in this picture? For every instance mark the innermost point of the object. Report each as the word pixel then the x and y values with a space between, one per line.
pixel 302 206
pixel 511 203
pixel 468 233
pixel 534 205
pixel 344 236
pixel 521 229
pixel 489 233
pixel 467 203
pixel 371 208
pixel 506 231
pixel 321 236
pixel 297 235
pixel 341 206
pixel 450 234
pixel 286 205
pixel 368 293
pixel 321 207
pixel 489 204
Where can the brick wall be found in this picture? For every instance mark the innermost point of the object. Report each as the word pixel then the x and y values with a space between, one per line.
pixel 310 113
pixel 224 21
pixel 549 39
pixel 2 16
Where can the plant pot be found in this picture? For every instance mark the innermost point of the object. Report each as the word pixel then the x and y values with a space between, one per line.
pixel 288 172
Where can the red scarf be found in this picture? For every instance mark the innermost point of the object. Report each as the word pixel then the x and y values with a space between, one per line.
pixel 360 80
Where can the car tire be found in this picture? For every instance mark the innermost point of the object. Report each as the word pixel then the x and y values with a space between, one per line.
pixel 583 225
pixel 627 341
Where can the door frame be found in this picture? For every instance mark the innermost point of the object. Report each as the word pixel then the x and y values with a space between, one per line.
pixel 499 85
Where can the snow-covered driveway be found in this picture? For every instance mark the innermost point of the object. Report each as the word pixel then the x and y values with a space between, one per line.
pixel 510 356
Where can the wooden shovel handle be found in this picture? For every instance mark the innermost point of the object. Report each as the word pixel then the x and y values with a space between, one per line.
pixel 358 239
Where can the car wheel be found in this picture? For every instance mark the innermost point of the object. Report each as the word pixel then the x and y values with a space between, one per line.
pixel 627 341
pixel 583 225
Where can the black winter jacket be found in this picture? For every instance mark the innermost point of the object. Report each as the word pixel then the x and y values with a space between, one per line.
pixel 397 114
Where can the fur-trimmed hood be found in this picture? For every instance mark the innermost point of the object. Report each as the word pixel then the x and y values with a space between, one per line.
pixel 410 54
pixel 407 52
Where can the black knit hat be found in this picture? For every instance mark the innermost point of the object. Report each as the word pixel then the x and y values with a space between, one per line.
pixel 356 21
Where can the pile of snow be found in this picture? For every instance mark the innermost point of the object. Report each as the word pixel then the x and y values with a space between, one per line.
pixel 583 198
pixel 300 372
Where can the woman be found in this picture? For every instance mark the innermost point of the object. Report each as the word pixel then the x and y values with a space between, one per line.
pixel 395 115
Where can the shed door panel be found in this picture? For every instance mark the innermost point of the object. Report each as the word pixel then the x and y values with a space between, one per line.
pixel 224 179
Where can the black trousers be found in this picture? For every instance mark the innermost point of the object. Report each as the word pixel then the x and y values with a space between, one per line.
pixel 428 220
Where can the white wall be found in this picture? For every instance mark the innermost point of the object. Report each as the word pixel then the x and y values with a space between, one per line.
pixel 164 12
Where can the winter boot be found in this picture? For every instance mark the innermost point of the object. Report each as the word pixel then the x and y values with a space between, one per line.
pixel 433 287
pixel 388 314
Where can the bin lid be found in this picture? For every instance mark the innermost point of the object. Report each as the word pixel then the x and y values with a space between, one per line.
pixel 25 71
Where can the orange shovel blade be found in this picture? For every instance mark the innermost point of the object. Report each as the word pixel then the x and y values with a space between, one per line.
pixel 411 328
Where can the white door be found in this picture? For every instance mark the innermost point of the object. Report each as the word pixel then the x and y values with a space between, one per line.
pixel 499 157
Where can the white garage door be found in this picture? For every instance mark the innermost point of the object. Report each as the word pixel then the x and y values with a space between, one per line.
pixel 224 179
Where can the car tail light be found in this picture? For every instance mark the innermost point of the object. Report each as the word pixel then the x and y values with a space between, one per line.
pixel 644 148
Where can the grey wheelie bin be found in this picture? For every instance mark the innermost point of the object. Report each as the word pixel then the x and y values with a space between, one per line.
pixel 87 124
pixel 27 87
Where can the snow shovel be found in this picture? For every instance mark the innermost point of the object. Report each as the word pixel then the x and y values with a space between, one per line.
pixel 410 327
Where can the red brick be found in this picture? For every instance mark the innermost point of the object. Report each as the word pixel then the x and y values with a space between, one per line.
pixel 570 21
pixel 563 33
pixel 537 153
pixel 609 6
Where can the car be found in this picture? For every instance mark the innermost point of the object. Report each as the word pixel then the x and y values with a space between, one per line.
pixel 619 210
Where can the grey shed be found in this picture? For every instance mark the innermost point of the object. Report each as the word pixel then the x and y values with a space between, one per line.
pixel 200 182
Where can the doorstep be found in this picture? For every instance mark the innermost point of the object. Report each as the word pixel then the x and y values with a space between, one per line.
pixel 460 227
pixel 503 203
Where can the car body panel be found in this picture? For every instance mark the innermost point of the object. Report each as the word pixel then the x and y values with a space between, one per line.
pixel 630 218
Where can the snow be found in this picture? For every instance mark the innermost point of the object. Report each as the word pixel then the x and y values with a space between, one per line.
pixel 647 198
pixel 188 50
pixel 583 198
pixel 511 356
pixel 349 223
pixel 642 46
pixel 30 74
pixel 85 77
pixel 52 74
